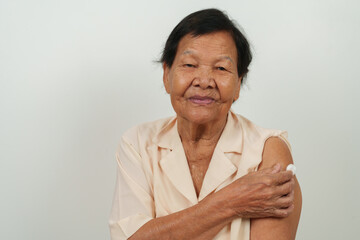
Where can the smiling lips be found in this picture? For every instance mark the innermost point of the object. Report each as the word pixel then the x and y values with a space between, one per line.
pixel 201 100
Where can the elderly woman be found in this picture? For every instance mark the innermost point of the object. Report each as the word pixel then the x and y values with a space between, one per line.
pixel 206 173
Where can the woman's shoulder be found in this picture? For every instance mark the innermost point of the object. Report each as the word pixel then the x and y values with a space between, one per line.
pixel 144 133
pixel 259 142
pixel 250 126
pixel 254 133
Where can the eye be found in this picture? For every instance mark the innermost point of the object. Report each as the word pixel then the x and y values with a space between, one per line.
pixel 189 65
pixel 221 68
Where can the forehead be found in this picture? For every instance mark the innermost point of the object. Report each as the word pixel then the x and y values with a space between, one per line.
pixel 208 45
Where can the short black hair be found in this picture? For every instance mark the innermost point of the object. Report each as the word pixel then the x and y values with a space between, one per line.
pixel 204 22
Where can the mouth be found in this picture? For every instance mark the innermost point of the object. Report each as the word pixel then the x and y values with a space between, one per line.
pixel 201 100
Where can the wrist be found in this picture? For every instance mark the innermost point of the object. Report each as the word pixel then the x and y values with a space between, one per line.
pixel 219 205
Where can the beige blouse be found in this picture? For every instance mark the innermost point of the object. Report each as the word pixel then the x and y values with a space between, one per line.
pixel 154 179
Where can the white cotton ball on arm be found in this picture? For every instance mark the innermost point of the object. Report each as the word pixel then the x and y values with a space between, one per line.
pixel 291 167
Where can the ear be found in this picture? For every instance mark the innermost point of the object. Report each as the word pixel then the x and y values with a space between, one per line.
pixel 166 71
pixel 237 89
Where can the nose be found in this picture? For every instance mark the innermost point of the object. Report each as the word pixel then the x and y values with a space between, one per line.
pixel 204 79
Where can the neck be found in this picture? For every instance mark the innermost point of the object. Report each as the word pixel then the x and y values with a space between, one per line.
pixel 208 133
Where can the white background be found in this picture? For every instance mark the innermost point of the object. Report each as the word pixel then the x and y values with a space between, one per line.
pixel 75 74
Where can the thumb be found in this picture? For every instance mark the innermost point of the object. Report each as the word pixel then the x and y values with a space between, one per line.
pixel 276 168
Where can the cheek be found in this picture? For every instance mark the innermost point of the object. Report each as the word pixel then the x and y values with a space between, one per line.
pixel 180 83
pixel 227 89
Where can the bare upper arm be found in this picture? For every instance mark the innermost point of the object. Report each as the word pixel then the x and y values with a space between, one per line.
pixel 277 151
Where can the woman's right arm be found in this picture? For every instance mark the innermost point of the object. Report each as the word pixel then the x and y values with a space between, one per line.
pixel 255 195
pixel 206 218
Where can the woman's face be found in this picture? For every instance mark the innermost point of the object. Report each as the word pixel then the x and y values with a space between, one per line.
pixel 203 81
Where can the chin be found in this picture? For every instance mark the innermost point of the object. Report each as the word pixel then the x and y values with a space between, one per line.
pixel 201 117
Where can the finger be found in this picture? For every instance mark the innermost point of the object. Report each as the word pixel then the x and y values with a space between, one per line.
pixel 285 188
pixel 276 168
pixel 282 177
pixel 286 201
pixel 273 169
pixel 283 212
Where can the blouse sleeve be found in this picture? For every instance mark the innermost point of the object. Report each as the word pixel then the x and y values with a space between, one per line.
pixel 133 204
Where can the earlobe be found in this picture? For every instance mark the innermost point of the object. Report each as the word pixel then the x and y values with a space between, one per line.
pixel 166 77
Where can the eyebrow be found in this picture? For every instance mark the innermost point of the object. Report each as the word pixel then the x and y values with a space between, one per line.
pixel 186 52
pixel 228 58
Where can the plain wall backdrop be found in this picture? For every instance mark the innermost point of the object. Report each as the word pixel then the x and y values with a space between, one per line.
pixel 75 74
